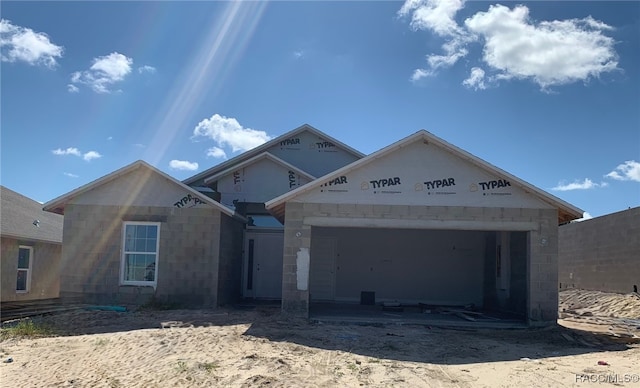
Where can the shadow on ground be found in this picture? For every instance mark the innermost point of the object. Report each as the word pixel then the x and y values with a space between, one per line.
pixel 437 345
pixel 406 342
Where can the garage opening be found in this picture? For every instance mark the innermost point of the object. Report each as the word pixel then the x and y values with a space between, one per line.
pixel 414 270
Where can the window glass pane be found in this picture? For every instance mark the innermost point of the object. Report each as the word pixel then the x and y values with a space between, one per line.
pixel 152 231
pixel 23 258
pixel 140 252
pixel 22 281
pixel 129 244
pixel 140 245
pixel 140 267
pixel 150 273
pixel 137 229
pixel 141 231
pixel 151 245
pixel 127 266
pixel 130 231
pixel 141 238
pixel 134 267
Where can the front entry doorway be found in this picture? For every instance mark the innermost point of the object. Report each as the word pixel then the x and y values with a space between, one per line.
pixel 262 264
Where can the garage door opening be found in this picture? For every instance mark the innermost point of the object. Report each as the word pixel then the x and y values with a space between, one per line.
pixel 407 271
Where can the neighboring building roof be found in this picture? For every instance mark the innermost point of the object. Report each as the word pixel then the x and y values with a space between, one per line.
pixel 23 218
pixel 57 205
pixel 264 155
pixel 566 211
pixel 215 170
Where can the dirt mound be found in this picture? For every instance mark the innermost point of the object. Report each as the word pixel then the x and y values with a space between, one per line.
pixel 616 315
pixel 601 304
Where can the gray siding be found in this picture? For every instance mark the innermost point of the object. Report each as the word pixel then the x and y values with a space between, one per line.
pixel 602 253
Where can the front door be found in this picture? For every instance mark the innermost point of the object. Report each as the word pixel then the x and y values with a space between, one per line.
pixel 262 274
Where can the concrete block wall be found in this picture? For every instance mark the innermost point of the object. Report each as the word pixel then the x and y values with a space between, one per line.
pixel 542 295
pixel 187 263
pixel 295 300
pixel 602 253
pixel 519 248
pixel 45 270
pixel 543 272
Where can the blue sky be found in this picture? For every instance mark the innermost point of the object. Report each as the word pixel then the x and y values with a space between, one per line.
pixel 548 91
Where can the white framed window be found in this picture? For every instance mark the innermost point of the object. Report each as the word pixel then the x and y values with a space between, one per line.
pixel 25 262
pixel 140 243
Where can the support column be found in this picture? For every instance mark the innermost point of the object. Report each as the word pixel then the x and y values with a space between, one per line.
pixel 296 262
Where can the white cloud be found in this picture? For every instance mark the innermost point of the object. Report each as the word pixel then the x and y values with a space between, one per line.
pixel 577 185
pixel 454 50
pixel 438 16
pixel 72 88
pixel 68 151
pixel 115 66
pixel 91 155
pixel 548 53
pixel 418 74
pixel 627 171
pixel 298 54
pixel 435 15
pixel 140 145
pixel 183 165
pixel 476 79
pixel 585 216
pixel 110 138
pixel 104 72
pixel 88 156
pixel 25 45
pixel 146 69
pixel 71 175
pixel 228 132
pixel 217 153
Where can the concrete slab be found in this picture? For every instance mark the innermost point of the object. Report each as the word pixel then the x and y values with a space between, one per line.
pixel 351 313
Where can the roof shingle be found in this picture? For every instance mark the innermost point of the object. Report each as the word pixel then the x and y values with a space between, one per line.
pixel 18 215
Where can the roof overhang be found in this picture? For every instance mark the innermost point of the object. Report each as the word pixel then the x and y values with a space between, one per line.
pixel 27 238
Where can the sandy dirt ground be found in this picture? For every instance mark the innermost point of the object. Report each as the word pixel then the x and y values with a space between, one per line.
pixel 596 344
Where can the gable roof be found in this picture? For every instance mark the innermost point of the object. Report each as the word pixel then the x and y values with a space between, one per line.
pixel 566 211
pixel 57 205
pixel 257 158
pixel 215 170
pixel 23 218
